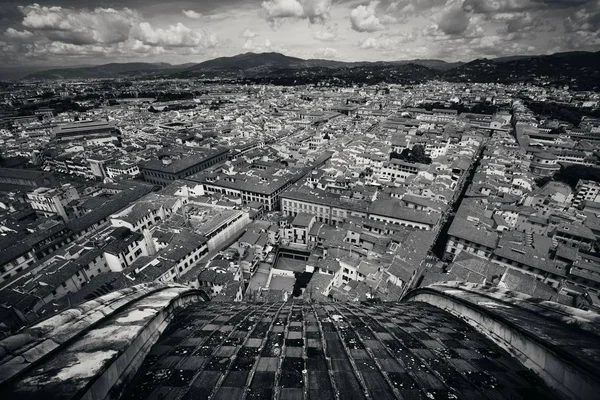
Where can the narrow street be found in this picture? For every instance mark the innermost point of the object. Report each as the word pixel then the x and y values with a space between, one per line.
pixel 437 250
pixel 440 243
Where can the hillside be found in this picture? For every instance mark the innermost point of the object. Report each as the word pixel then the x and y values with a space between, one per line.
pixel 104 71
pixel 278 69
pixel 581 70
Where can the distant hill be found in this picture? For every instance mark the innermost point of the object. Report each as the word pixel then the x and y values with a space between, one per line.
pixel 579 69
pixel 439 65
pixel 249 62
pixel 105 71
pixel 11 73
pixel 277 68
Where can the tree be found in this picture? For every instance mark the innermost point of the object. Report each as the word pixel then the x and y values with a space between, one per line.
pixel 415 155
pixel 418 152
pixel 573 173
pixel 557 131
pixel 542 181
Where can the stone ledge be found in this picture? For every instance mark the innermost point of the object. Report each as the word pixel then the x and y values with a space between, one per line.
pixel 558 343
pixel 23 351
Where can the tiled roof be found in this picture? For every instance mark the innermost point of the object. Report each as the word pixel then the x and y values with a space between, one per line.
pixel 393 209
pixel 469 231
pixel 185 162
pixel 302 220
pixel 228 351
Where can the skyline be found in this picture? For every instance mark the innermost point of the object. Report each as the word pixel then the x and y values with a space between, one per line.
pixel 71 33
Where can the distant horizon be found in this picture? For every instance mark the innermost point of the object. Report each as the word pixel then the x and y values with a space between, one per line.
pixel 62 33
pixel 87 65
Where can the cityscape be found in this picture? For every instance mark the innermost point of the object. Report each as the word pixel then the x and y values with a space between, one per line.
pixel 181 218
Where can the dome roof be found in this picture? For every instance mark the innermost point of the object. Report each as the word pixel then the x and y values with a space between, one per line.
pixel 442 341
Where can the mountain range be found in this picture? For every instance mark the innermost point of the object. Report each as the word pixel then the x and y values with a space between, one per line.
pixel 581 69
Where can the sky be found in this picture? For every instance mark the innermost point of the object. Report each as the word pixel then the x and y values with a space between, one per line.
pixel 84 32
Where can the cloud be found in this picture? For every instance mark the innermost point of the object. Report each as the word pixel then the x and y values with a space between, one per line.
pixel 562 3
pixel 99 33
pixel 580 40
pixel 377 43
pixel 586 19
pixel 107 26
pixel 261 47
pixel 248 34
pixel 192 14
pixel 316 11
pixel 101 25
pixel 496 6
pixel 454 21
pixel 522 25
pixel 325 52
pixel 326 34
pixel 174 36
pixel 364 18
pixel 402 9
pixel 440 28
pixel 19 35
pixel 386 42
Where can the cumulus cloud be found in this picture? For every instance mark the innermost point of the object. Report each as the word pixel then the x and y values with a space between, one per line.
pixel 579 40
pixel 402 9
pixel 192 14
pixel 377 43
pixel 497 6
pixel 586 19
pixel 386 42
pixel 99 32
pixel 449 28
pixel 327 33
pixel 107 26
pixel 520 23
pixel 325 52
pixel 19 35
pixel 454 21
pixel 364 18
pixel 494 6
pixel 101 25
pixel 174 36
pixel 316 11
pixel 261 47
pixel 248 34
pixel 523 20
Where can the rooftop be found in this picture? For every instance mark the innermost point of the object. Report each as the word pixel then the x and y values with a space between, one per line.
pixel 329 351
pixel 225 350
pixel 185 162
pixel 302 220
